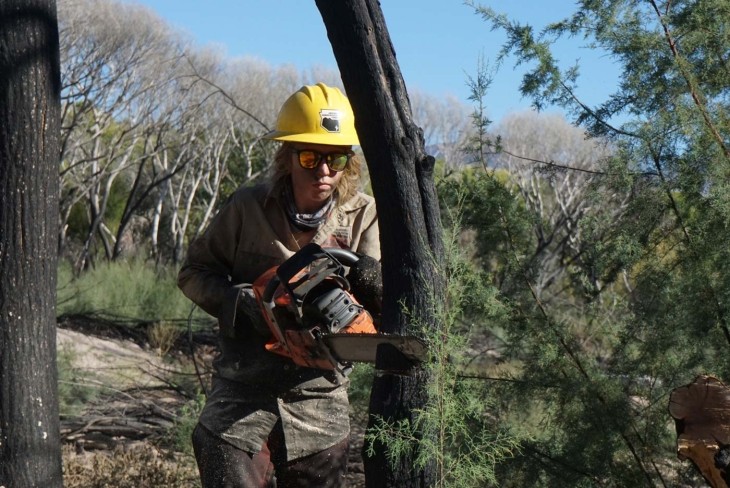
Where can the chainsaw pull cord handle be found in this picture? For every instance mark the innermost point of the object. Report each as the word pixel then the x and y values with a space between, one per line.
pixel 296 263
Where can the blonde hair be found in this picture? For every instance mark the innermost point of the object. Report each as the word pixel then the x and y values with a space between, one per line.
pixel 347 187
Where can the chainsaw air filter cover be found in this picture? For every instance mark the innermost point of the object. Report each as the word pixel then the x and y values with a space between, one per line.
pixel 332 309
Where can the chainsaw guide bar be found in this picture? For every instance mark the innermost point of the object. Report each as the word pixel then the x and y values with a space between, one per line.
pixel 363 348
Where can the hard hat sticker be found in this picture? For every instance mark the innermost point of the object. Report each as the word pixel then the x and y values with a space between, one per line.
pixel 330 120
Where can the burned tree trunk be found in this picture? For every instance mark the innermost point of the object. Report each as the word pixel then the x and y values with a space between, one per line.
pixel 30 453
pixel 410 228
pixel 701 411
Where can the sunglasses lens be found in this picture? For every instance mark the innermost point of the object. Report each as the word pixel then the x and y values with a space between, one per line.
pixel 337 162
pixel 309 159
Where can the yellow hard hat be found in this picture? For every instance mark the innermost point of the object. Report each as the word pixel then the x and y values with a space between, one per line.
pixel 318 114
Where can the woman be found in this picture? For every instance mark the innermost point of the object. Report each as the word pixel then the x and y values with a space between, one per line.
pixel 267 421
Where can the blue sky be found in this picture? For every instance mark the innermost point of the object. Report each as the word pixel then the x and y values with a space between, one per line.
pixel 438 43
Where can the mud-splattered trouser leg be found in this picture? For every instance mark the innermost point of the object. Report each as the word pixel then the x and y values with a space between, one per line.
pixel 223 466
pixel 324 469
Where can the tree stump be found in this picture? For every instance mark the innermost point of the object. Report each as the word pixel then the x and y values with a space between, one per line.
pixel 701 411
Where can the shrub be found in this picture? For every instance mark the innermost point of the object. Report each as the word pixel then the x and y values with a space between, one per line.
pixel 455 429
pixel 74 386
pixel 162 336
pixel 138 467
pixel 185 423
pixel 131 289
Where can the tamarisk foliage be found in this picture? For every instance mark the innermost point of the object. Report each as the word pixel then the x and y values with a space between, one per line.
pixel 633 300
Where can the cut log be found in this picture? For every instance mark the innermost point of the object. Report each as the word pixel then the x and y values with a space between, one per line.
pixel 701 412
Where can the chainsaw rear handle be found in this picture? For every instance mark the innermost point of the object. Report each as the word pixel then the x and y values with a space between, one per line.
pixel 303 258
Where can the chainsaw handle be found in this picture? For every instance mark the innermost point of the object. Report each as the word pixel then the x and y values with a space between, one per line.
pixel 268 295
pixel 344 256
pixel 303 258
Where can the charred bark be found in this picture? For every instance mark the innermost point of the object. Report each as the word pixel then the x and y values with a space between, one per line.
pixel 410 227
pixel 30 453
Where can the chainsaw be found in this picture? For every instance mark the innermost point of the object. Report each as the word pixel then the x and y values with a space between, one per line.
pixel 316 321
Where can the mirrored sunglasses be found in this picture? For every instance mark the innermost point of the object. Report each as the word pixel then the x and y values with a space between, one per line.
pixel 310 159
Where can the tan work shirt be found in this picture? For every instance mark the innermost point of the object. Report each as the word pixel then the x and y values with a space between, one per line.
pixel 253 388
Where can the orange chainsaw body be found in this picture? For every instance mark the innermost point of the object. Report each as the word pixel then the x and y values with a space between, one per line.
pixel 306 301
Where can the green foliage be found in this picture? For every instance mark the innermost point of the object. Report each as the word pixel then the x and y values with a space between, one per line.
pixel 639 307
pixel 454 429
pixel 480 144
pixel 75 388
pixel 242 167
pixel 483 202
pixel 187 418
pixel 118 196
pixel 361 381
pixel 131 290
pixel 79 219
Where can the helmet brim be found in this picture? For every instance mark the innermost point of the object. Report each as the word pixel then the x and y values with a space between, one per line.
pixel 313 138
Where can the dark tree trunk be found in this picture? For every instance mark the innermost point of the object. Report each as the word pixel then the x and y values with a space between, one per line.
pixel 30 453
pixel 410 226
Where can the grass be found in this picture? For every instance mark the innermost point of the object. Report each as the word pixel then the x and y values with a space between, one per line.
pixel 74 387
pixel 162 336
pixel 144 466
pixel 129 293
pixel 185 423
pixel 130 289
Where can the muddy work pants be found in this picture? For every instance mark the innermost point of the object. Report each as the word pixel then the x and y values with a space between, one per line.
pixel 223 466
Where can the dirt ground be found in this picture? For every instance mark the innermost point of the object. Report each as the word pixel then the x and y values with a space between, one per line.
pixel 138 397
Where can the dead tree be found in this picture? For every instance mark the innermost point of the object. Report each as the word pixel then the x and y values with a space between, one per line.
pixel 29 154
pixel 410 227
